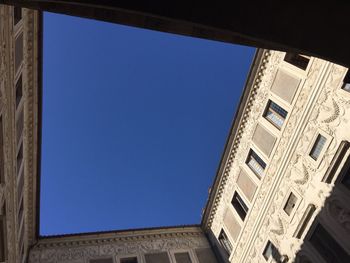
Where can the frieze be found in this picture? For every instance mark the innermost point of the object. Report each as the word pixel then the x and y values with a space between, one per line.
pixel 301 183
pixel 61 251
pixel 272 171
pixel 239 133
pixel 30 125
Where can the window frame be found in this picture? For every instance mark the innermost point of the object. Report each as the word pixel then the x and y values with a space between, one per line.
pixel 241 207
pixel 123 256
pixel 262 254
pixel 101 257
pixel 189 251
pixel 317 147
pixel 19 23
pixel 295 208
pixel 294 65
pixel 18 71
pixel 267 108
pixel 329 139
pixel 224 231
pixel 253 150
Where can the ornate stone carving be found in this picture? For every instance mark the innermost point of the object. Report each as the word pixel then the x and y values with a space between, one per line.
pixel 278 228
pixel 83 248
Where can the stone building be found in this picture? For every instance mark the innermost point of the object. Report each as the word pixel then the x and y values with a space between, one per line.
pixel 281 193
pixel 20 77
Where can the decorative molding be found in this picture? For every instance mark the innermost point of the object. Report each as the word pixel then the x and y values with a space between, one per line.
pixel 6 83
pixel 30 86
pixel 83 247
pixel 239 133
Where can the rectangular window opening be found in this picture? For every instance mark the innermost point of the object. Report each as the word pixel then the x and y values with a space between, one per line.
pixel 19 125
pixel 346 82
pixel 19 158
pixel 101 260
pixel 183 257
pixel 275 114
pixel 290 204
pixel 19 90
pixel 128 260
pixel 305 220
pixel 256 164
pixel 317 147
pixel 17 15
pixel 270 250
pixel 298 60
pixel 225 242
pixel 239 205
pixel 18 51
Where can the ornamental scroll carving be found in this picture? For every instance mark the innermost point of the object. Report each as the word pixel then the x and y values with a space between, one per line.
pixel 62 253
pixel 272 172
pixel 327 113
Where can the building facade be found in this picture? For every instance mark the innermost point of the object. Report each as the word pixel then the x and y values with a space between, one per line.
pixel 19 77
pixel 281 193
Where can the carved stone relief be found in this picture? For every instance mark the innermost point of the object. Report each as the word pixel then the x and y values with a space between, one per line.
pixel 316 107
pixel 82 249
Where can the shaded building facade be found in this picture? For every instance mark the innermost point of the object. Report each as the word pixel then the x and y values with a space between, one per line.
pixel 281 193
pixel 19 82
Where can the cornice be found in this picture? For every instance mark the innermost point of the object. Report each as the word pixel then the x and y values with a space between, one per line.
pixel 118 237
pixel 243 112
pixel 30 122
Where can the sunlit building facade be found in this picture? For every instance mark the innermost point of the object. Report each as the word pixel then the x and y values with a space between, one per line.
pixel 281 193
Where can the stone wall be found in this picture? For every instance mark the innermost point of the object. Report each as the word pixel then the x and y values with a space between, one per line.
pixel 147 246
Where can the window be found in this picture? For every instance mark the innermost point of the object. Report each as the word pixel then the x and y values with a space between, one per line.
pixel 102 260
pixel 20 187
pixel 297 60
pixel 225 242
pixel 19 158
pixel 310 210
pixel 239 205
pixel 18 51
pixel 256 163
pixel 19 125
pixel 275 114
pixel 346 82
pixel 17 15
pixel 290 204
pixel 20 212
pixel 157 257
pixel 327 246
pixel 19 91
pixel 270 250
pixel 183 257
pixel 128 260
pixel 318 146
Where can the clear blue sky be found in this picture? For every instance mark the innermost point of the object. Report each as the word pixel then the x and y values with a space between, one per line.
pixel 134 124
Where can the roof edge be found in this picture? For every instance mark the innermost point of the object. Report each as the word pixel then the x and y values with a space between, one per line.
pixel 236 123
